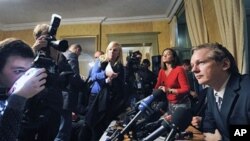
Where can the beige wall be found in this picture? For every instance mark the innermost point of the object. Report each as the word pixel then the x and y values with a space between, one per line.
pixel 156 26
pixel 164 36
pixel 25 35
pixel 101 32
pixel 79 30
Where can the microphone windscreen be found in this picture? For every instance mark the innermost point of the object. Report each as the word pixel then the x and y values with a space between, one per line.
pixel 181 118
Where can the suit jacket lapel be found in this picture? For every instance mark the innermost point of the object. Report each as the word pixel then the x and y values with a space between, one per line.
pixel 216 113
pixel 230 95
pixel 229 98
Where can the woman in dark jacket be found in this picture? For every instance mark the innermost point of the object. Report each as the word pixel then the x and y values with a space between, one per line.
pixel 110 100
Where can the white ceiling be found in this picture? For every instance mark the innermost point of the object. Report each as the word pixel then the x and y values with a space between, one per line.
pixel 18 14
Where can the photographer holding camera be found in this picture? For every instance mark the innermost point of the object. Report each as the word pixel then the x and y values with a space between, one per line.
pixel 148 77
pixel 139 78
pixel 133 80
pixel 18 83
pixel 42 114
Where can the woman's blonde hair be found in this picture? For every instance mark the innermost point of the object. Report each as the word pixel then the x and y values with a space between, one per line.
pixel 104 57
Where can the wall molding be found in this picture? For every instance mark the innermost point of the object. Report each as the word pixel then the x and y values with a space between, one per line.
pixel 170 11
pixel 101 20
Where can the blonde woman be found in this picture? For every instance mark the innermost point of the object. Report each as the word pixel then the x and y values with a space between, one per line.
pixel 107 99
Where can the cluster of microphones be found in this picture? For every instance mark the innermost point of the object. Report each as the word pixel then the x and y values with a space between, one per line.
pixel 180 120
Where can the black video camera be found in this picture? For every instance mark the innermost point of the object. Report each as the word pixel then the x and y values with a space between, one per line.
pixel 133 62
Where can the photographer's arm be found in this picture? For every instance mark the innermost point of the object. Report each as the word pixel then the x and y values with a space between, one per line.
pixel 40 43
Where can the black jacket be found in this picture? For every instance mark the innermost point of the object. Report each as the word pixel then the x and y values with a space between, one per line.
pixel 110 102
pixel 43 111
pixel 235 108
pixel 10 118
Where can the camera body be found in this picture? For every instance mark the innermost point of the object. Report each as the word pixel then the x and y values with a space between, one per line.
pixel 41 61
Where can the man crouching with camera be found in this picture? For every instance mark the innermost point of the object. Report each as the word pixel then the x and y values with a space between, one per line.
pixel 42 113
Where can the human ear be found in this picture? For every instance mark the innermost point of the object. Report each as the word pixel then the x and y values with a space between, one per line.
pixel 226 64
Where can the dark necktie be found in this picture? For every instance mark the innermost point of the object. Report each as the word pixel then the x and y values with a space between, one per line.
pixel 218 100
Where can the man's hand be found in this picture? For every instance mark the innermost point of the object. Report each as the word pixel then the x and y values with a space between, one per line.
pixel 193 94
pixel 29 84
pixel 40 43
pixel 212 137
pixel 196 121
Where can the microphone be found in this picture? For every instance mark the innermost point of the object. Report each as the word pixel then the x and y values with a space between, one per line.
pixel 143 106
pixel 147 124
pixel 145 103
pixel 181 118
pixel 152 120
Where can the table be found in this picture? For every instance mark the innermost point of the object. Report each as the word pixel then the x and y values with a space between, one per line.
pixel 197 135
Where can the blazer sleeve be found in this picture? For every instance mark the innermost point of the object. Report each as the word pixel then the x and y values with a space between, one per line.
pixel 208 123
pixel 73 61
pixel 97 73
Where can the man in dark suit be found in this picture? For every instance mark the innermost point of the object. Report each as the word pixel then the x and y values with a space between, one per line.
pixel 215 66
pixel 70 97
pixel 72 54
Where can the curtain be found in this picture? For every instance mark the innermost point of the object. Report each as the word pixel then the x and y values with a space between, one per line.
pixel 195 22
pixel 173 32
pixel 231 18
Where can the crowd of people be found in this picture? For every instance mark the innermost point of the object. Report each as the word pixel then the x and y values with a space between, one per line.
pixel 43 95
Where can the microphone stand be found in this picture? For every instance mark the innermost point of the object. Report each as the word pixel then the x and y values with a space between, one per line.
pixel 143 107
pixel 124 130
pixel 170 135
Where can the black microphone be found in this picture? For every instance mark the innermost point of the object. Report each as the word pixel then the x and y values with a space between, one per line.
pixel 152 120
pixel 143 106
pixel 145 103
pixel 181 118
